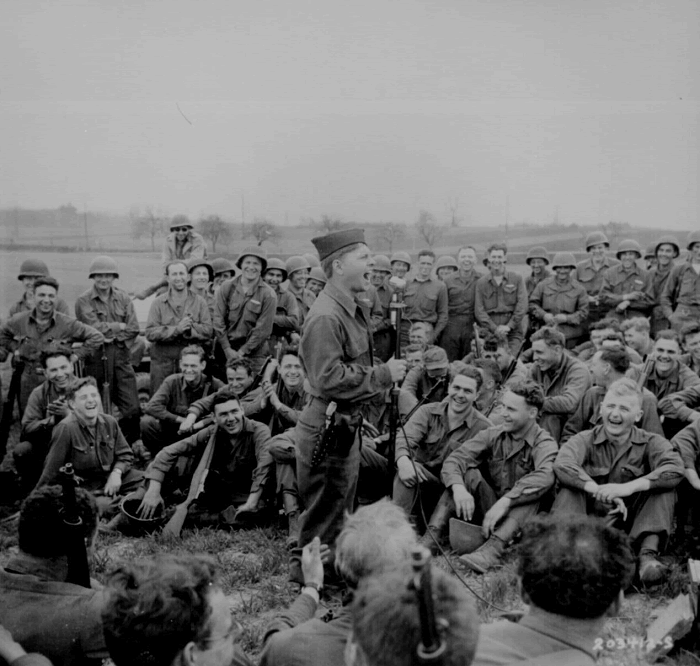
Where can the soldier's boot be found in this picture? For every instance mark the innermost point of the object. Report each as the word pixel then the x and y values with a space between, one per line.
pixel 651 571
pixel 438 522
pixel 290 506
pixel 485 557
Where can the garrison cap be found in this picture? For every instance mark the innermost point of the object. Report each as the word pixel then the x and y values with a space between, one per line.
pixel 337 240
pixel 435 358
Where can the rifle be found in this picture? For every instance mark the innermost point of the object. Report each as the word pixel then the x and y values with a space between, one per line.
pixel 78 569
pixel 106 393
pixel 509 373
pixel 177 520
pixel 278 353
pixel 259 377
pixel 647 369
pixel 432 646
pixel 477 341
pixel 396 306
pixel 8 407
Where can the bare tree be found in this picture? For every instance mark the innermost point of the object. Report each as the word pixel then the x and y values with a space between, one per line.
pixel 216 230
pixel 149 225
pixel 428 228
pixel 390 232
pixel 614 229
pixel 262 230
pixel 453 205
pixel 327 223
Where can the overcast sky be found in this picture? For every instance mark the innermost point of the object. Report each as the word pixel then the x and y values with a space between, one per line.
pixel 370 109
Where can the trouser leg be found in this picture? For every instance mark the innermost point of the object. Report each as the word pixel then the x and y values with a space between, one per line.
pixel 165 361
pixel 375 476
pixel 456 337
pixel 157 434
pixel 29 462
pixel 650 513
pixel 482 492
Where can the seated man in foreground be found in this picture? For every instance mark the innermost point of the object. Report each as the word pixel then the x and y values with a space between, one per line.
pixel 500 476
pixel 572 575
pixel 39 605
pixel 624 473
pixel 238 470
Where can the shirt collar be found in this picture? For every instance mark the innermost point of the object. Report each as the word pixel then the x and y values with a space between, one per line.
pixel 95 295
pixel 636 436
pixel 32 315
pixel 346 302
pixel 529 436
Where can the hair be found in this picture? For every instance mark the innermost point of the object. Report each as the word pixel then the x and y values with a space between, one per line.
pixel 464 369
pixel 640 324
pixel 156 606
pixel 54 352
pixel 424 325
pixel 466 247
pixel 530 390
pixel 688 330
pixel 607 323
pixel 240 362
pixel 618 359
pixel 42 532
pixel 497 246
pixel 222 397
pixel 46 280
pixel 489 366
pixel 574 566
pixel 412 349
pixel 77 384
pixel 375 538
pixel 289 352
pixel 551 336
pixel 615 336
pixel 624 387
pixel 196 350
pixel 492 342
pixel 668 334
pixel 327 263
pixel 426 253
pixel 386 624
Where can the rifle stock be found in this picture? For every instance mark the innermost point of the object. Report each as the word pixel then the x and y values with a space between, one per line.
pixel 177 520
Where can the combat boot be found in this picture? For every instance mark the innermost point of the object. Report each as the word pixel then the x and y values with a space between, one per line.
pixel 437 523
pixel 485 557
pixel 651 571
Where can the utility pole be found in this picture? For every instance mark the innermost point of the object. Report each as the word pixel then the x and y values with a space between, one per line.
pixel 507 214
pixel 85 223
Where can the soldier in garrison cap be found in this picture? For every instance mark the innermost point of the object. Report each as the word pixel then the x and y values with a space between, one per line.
pixel 336 351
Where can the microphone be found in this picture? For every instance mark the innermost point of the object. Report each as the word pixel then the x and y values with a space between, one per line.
pixel 397 283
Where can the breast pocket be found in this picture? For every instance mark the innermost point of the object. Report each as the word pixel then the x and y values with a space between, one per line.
pixel 252 311
pixel 566 303
pixel 510 294
pixel 356 346
pixel 490 298
pixel 630 472
pixel 588 282
pixel 599 473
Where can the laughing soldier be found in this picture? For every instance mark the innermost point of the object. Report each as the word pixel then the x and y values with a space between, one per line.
pixel 336 350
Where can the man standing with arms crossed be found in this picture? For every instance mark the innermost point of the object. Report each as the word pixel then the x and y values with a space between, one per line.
pixel 336 351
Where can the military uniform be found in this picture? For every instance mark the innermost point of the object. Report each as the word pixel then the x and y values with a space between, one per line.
pixel 532 281
pixel 569 298
pixel 22 305
pixel 167 342
pixel 426 300
pixel 382 331
pixel 657 280
pixel 457 336
pixel 592 281
pixel 616 283
pixel 680 300
pixel 419 384
pixel 502 304
pixel 286 320
pixel 590 456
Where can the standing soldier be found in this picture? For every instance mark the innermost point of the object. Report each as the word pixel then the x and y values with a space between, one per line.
pixel 32 332
pixel 538 260
pixel 297 274
pixel 381 272
pixel 177 318
pixel 286 324
pixel 666 250
pixel 245 310
pixel 336 351
pixel 650 257
pixel 315 283
pixel 680 300
pixel 590 272
pixel 560 301
pixel 456 338
pixel 29 271
pixel 625 286
pixel 223 270
pixel 109 310
pixel 444 266
pixel 500 301
pixel 400 264
pixel 201 274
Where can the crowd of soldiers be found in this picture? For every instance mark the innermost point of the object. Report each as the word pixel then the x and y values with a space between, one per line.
pixel 276 387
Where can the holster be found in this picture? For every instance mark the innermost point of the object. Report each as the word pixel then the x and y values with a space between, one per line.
pixel 337 438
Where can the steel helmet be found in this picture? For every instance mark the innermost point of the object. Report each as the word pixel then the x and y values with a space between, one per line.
pixel 318 275
pixel 650 252
pixel 33 268
pixel 297 263
pixel 276 262
pixel 103 264
pixel 221 265
pixel 446 261
pixel 596 238
pixel 564 260
pixel 537 252
pixel 667 240
pixel 629 245
pixel 401 256
pixel 253 251
pixel 382 263
pixel 312 258
pixel 180 221
pixel 194 263
pixel 693 237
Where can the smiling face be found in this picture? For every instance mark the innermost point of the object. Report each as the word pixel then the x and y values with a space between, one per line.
pixel 418 335
pixel 315 287
pixel 291 371
pixel 414 360
pixel 544 356
pixel 443 272
pixel 466 259
pixel 497 261
pixel 45 297
pixel 229 416
pixel 251 267
pixel 628 259
pixel 298 278
pixel 274 277
pixel 59 371
pixel 239 379
pixel 665 354
pixel 199 278
pixel 177 276
pixel 192 368
pixel 665 254
pixel 597 251
pixel 399 268
pixel 181 233
pixel 537 265
pixel 86 403
pixel 103 281
pixel 462 393
pixel 620 413
pixel 425 265
pixel 378 276
pixel 515 412
pixel 563 273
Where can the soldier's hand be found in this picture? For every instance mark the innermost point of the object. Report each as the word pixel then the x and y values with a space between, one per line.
pixel 502 330
pixel 231 354
pixel 114 483
pixel 494 515
pixel 58 408
pixel 560 318
pixel 549 319
pixel 150 502
pixel 311 562
pixel 621 307
pixel 187 424
pixel 464 502
pixel 397 368
pixel 406 472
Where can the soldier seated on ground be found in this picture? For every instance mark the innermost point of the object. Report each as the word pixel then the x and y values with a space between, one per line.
pixel 45 612
pixel 690 338
pixel 421 333
pixel 373 539
pixel 170 609
pixel 238 473
pixel 427 383
pixel 636 332
pixel 498 477
pixel 616 341
pixel 167 409
pixel 240 378
pixel 487 398
pixel 143 388
pixel 623 473
pixel 93 443
pixel 47 405
pixel 433 432
pixel 573 574
pixel 496 348
pixel 413 354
